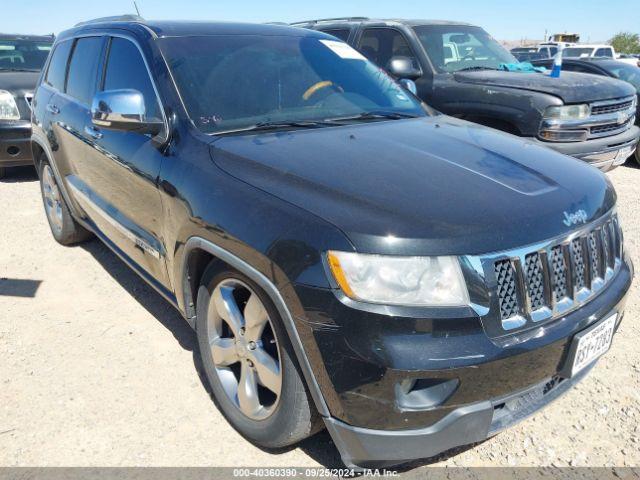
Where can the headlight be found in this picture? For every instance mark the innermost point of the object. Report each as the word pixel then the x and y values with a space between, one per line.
pixel 391 280
pixel 568 112
pixel 8 107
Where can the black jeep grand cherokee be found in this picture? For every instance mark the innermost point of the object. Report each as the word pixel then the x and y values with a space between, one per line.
pixel 346 256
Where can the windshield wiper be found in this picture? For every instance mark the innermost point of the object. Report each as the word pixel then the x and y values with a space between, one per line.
pixel 19 70
pixel 477 67
pixel 376 115
pixel 272 125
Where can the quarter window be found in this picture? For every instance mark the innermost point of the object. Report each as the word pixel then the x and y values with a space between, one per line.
pixel 58 65
pixel 604 52
pixel 381 44
pixel 341 33
pixel 126 69
pixel 83 69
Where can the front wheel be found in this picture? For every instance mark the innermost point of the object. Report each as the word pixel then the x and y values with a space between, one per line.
pixel 64 228
pixel 637 155
pixel 249 362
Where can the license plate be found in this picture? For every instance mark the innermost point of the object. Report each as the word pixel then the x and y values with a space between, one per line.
pixel 593 343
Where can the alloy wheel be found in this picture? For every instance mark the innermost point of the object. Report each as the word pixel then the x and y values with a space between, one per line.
pixel 52 200
pixel 244 349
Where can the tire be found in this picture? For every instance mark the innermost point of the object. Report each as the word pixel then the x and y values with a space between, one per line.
pixel 636 156
pixel 268 419
pixel 64 228
pixel 3 172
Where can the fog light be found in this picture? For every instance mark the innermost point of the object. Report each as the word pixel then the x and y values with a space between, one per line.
pixel 424 393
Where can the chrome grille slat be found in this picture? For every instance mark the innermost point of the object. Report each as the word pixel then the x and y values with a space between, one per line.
pixel 555 277
pixel 615 107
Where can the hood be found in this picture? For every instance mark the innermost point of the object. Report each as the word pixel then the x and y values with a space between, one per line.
pixel 18 82
pixel 571 87
pixel 429 186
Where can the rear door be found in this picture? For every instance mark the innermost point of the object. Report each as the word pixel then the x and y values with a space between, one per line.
pixel 68 107
pixel 117 179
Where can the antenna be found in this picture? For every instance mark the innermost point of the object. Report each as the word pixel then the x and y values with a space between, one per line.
pixel 136 7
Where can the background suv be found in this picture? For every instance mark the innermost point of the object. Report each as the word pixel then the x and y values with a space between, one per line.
pixel 347 256
pixel 21 59
pixel 458 70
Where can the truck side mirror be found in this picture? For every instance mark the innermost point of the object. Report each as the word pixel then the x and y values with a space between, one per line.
pixel 404 68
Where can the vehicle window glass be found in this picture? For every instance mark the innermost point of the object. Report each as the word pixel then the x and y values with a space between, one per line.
pixel 23 54
pixel 452 48
pixel 126 69
pixel 342 34
pixel 577 52
pixel 83 69
pixel 553 51
pixel 576 68
pixel 58 65
pixel 626 72
pixel 381 44
pixel 232 82
pixel 604 52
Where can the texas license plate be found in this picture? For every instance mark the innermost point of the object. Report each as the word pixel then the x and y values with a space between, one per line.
pixel 593 343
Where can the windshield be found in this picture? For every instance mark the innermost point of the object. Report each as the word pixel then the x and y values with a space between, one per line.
pixel 234 82
pixel 23 54
pixel 575 52
pixel 626 72
pixel 453 48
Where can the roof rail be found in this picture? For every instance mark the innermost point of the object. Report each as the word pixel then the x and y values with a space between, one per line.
pixel 313 22
pixel 116 18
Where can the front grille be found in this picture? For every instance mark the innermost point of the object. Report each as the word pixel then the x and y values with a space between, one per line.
pixel 611 108
pixel 506 289
pixel 611 127
pixel 546 282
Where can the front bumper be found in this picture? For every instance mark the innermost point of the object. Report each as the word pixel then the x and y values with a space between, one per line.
pixel 465 425
pixel 604 153
pixel 15 143
pixel 362 359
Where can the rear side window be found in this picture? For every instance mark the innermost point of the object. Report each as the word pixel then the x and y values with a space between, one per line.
pixel 341 33
pixel 126 69
pixel 604 52
pixel 58 65
pixel 83 69
pixel 381 44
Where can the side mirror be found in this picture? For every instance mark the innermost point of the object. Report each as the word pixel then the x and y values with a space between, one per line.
pixel 409 85
pixel 404 67
pixel 122 110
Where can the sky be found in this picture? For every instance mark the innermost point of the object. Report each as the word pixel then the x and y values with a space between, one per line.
pixel 595 20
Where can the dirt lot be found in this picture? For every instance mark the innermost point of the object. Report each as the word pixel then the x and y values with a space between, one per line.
pixel 96 369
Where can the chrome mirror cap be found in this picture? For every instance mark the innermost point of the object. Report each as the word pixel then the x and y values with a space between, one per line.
pixel 122 110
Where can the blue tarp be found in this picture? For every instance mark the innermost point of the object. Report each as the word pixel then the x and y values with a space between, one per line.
pixel 524 67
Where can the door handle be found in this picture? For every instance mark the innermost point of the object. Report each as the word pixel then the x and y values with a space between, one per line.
pixel 51 108
pixel 93 132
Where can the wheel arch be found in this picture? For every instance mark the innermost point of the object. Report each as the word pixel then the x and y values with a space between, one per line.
pixel 198 253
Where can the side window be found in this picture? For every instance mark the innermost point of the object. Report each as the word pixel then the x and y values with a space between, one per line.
pixel 577 68
pixel 126 69
pixel 83 69
pixel 553 51
pixel 381 44
pixel 58 65
pixel 604 52
pixel 341 33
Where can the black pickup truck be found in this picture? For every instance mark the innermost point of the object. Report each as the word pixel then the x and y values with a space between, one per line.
pixel 456 69
pixel 21 59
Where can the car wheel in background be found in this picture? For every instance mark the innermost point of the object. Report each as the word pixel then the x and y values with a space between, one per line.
pixel 64 228
pixel 249 361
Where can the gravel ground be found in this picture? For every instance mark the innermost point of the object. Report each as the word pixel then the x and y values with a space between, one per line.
pixel 96 369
